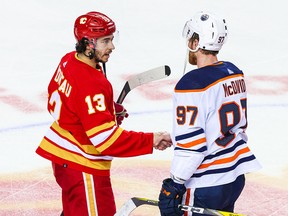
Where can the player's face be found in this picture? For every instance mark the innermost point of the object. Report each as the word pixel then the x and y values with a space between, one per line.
pixel 104 47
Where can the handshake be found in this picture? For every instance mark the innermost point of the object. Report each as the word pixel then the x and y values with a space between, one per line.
pixel 162 140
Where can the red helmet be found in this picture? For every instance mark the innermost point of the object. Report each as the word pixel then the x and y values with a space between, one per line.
pixel 93 25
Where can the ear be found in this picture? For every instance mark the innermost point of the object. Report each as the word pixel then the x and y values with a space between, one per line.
pixel 89 46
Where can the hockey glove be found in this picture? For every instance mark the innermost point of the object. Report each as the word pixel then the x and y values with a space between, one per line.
pixel 121 113
pixel 170 197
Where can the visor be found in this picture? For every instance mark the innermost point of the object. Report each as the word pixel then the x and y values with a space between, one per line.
pixel 187 31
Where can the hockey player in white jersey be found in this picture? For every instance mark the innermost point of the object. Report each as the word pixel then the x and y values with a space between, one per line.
pixel 211 155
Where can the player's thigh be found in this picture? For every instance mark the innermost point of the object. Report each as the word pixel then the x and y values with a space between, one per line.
pixel 83 193
pixel 222 197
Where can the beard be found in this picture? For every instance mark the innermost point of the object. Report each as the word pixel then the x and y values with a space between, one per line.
pixel 100 57
pixel 192 58
pixel 97 57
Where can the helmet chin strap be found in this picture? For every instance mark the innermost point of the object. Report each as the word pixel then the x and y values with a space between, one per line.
pixel 185 61
pixel 191 50
pixel 187 56
pixel 91 54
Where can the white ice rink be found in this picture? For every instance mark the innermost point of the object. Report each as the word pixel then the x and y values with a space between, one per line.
pixel 36 34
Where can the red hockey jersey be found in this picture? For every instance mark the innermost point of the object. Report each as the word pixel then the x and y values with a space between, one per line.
pixel 85 135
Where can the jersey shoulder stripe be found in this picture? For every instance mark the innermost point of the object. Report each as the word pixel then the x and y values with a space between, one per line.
pixel 200 150
pixel 202 78
pixel 189 135
pixel 193 141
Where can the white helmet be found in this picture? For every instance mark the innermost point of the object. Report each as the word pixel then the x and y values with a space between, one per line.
pixel 212 31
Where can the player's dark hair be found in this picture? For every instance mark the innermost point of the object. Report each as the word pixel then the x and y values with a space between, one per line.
pixel 194 37
pixel 81 48
pixel 81 45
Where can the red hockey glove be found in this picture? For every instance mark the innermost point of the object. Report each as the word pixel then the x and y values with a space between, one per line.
pixel 121 113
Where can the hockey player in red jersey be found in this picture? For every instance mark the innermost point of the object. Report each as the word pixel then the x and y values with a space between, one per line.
pixel 211 155
pixel 86 134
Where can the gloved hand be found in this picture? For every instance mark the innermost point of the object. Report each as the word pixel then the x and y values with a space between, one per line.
pixel 170 197
pixel 121 113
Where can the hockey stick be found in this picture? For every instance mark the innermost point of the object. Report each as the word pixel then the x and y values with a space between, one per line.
pixel 142 78
pixel 135 202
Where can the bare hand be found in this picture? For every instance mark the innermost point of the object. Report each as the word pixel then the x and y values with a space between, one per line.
pixel 162 140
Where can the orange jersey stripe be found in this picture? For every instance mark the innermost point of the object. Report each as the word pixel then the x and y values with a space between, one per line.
pixel 193 143
pixel 187 200
pixel 225 160
pixel 212 84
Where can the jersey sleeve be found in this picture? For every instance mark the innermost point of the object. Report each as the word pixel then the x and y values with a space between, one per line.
pixel 188 133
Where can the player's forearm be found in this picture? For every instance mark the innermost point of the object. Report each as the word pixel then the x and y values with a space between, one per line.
pixel 184 164
pixel 127 144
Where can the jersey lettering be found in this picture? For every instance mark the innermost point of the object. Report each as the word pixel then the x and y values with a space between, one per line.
pixel 97 103
pixel 55 103
pixel 182 112
pixel 229 116
pixel 234 87
pixel 64 86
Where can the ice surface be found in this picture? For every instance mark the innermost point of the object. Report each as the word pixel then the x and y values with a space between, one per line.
pixel 36 34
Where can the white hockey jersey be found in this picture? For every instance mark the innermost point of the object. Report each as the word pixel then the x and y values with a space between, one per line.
pixel 209 123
